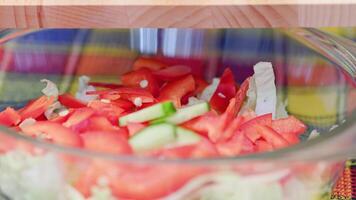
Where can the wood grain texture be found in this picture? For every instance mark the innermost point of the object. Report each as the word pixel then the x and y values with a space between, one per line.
pixel 237 16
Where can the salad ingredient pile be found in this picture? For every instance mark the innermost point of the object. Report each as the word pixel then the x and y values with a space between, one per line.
pixel 164 111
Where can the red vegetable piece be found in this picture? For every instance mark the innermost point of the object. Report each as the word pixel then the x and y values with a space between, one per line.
pixel 109 110
pixel 248 128
pixel 231 128
pixel 106 142
pixel 289 125
pixel 105 85
pixel 70 102
pixel 237 145
pixel 184 151
pixel 54 132
pixel 134 128
pixel 200 85
pixel 263 146
pixel 124 104
pixel 224 92
pixel 9 117
pixel 36 108
pixel 149 63
pixel 176 89
pixel 271 136
pixel 172 72
pixel 141 78
pixel 204 149
pixel 240 97
pixel 100 123
pixel 78 120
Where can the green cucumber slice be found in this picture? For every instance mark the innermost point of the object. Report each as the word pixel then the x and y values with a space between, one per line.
pixel 153 137
pixel 185 137
pixel 185 114
pixel 150 113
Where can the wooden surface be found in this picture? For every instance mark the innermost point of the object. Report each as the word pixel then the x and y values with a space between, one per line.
pixel 204 16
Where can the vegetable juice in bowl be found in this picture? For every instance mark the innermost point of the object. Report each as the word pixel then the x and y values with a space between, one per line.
pixel 162 129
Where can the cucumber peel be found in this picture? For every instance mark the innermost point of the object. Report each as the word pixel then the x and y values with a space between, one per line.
pixel 185 114
pixel 156 111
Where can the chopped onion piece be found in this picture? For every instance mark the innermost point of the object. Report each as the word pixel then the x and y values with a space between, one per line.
pixel 143 83
pixel 313 134
pixel 50 112
pixel 51 88
pixel 84 88
pixel 138 102
pixel 266 90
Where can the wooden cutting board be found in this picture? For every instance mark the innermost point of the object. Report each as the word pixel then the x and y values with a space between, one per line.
pixel 177 13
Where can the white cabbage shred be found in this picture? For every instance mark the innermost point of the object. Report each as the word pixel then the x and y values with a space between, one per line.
pixel 229 186
pixel 209 91
pixel 313 134
pixel 83 88
pixel 27 122
pixel 262 94
pixel 51 89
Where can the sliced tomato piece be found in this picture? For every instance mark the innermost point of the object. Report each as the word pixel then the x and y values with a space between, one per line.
pixel 271 136
pixel 9 117
pixel 70 102
pixel 248 128
pixel 141 78
pixel 224 92
pixel 150 63
pixel 53 132
pixel 172 72
pixel 175 90
pixel 263 146
pixel 105 85
pixel 237 145
pixel 135 127
pixel 36 108
pixel 289 125
pixel 106 142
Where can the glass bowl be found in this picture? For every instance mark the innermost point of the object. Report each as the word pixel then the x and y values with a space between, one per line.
pixel 315 76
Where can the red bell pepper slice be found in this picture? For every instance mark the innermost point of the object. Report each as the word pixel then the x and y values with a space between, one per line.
pixel 70 102
pixel 109 110
pixel 106 142
pixel 9 117
pixel 240 97
pixel 54 132
pixel 141 78
pixel 36 108
pixel 224 92
pixel 172 72
pixel 175 90
pixel 105 85
pixel 100 123
pixel 149 63
pixel 200 85
pixel 78 121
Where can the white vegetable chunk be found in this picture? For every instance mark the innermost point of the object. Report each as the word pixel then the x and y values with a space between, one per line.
pixel 266 90
pixel 51 88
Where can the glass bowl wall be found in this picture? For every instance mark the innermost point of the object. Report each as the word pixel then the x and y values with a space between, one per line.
pixel 313 87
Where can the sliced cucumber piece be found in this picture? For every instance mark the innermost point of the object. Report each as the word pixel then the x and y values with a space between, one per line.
pixel 185 136
pixel 185 114
pixel 150 113
pixel 153 137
